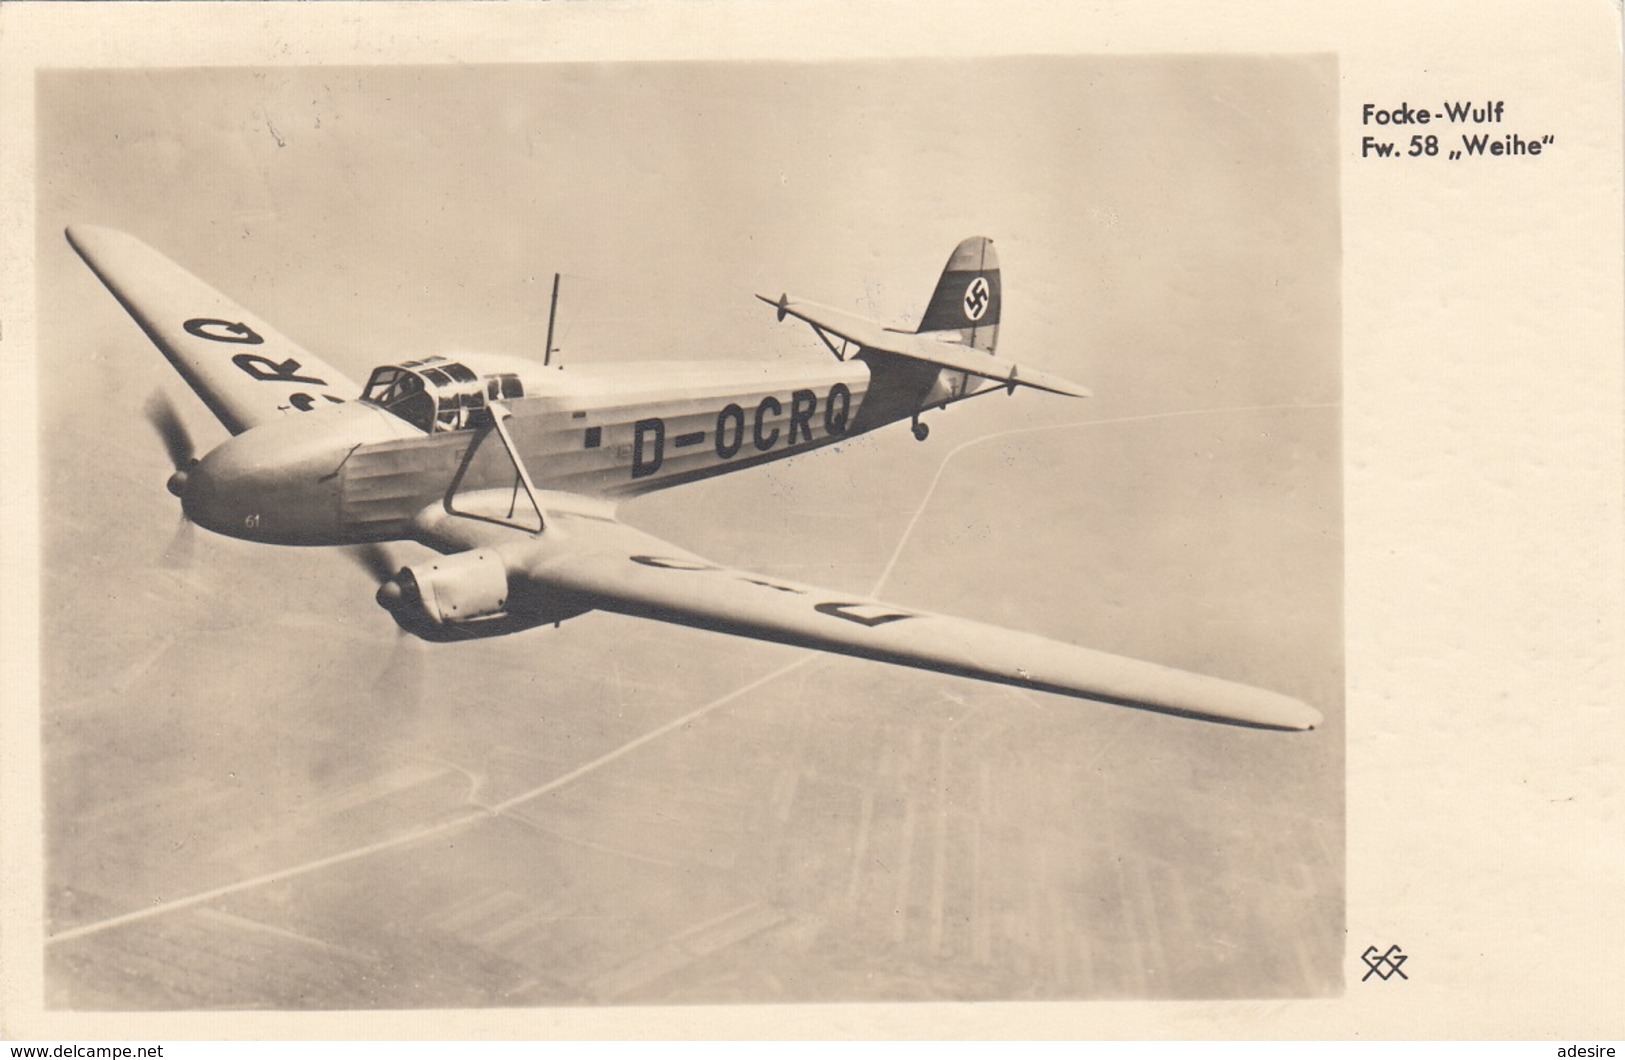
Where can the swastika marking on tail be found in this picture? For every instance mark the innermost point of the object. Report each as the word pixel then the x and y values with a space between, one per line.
pixel 977 299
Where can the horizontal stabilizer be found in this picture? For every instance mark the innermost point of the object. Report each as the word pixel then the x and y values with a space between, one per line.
pixel 873 338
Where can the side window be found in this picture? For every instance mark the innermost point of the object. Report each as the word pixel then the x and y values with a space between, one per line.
pixel 504 386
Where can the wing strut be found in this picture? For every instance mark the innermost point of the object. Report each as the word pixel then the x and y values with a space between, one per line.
pixel 783 307
pixel 499 417
pixel 496 422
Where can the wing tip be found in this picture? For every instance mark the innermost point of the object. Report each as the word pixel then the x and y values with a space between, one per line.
pixel 1228 703
pixel 1052 384
pixel 88 240
pixel 1294 715
pixel 79 231
pixel 782 303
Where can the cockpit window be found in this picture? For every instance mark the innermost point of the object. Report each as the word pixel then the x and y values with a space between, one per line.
pixel 402 393
pixel 382 379
pixel 436 394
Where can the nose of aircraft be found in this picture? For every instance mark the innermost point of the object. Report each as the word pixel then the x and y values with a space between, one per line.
pixel 208 494
pixel 277 483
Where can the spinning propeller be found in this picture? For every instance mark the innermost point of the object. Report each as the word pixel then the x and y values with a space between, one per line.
pixel 397 588
pixel 176 438
pixel 401 681
pixel 374 559
pixel 183 456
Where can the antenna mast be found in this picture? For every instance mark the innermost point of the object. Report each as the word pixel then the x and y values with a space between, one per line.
pixel 552 311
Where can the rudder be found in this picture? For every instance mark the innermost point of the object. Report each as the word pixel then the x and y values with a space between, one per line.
pixel 967 300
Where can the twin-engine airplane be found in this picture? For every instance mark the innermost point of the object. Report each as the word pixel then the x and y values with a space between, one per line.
pixel 513 473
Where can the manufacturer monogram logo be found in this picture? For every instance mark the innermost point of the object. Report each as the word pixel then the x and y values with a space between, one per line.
pixel 1383 965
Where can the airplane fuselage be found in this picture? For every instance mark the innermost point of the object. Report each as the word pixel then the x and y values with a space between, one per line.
pixel 354 472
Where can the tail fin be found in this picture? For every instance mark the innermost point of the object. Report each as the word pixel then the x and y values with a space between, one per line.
pixel 967 299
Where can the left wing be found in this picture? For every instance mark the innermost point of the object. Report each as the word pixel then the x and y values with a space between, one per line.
pixel 242 368
pixel 590 560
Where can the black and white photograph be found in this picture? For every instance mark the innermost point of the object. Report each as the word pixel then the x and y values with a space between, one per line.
pixel 558 562
pixel 723 521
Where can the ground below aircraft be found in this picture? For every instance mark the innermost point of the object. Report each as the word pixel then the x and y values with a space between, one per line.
pixel 513 473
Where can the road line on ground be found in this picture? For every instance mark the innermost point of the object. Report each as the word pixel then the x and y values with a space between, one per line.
pixel 176 904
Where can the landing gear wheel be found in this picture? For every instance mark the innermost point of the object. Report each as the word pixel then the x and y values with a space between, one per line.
pixel 920 431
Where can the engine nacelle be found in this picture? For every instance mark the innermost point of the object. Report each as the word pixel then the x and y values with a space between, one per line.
pixel 465 596
pixel 466 587
pixel 463 588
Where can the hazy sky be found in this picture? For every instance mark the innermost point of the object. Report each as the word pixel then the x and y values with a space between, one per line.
pixel 1137 205
pixel 1167 228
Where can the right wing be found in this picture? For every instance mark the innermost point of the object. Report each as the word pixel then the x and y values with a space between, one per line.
pixel 590 560
pixel 242 368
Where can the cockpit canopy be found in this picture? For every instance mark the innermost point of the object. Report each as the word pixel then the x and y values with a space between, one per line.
pixel 438 394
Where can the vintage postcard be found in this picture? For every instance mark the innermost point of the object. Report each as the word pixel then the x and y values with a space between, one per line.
pixel 500 534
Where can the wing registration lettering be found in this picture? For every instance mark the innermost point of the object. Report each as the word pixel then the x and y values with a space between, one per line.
pixel 235 331
pixel 669 563
pixel 304 402
pixel 870 615
pixel 265 370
